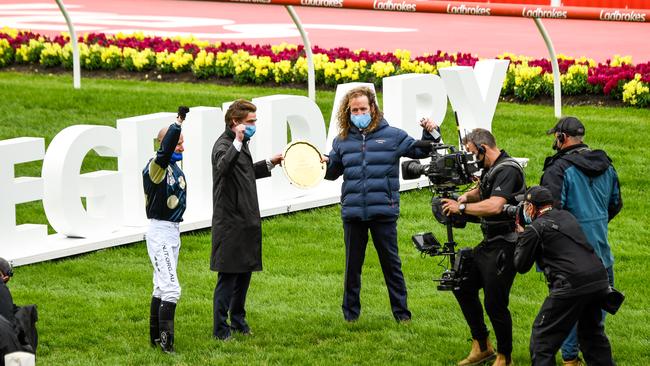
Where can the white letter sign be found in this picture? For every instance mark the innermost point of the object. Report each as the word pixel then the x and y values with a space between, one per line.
pixel 114 210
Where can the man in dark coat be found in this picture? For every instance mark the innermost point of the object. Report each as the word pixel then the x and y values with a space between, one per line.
pixel 577 281
pixel 236 224
pixel 7 307
pixel 17 324
pixel 367 152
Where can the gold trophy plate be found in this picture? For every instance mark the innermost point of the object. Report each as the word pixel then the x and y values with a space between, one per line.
pixel 302 164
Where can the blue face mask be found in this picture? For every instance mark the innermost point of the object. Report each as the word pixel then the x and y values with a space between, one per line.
pixel 361 120
pixel 249 131
pixel 176 157
pixel 527 219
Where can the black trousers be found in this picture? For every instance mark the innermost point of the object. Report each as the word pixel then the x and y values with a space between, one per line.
pixel 554 322
pixel 230 298
pixel 493 271
pixel 384 237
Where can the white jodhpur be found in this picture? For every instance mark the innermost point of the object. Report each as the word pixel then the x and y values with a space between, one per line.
pixel 163 244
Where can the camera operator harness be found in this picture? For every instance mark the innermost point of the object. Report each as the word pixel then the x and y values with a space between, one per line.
pixel 500 226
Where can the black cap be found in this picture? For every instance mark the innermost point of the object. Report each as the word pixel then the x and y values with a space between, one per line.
pixel 6 268
pixel 569 125
pixel 537 195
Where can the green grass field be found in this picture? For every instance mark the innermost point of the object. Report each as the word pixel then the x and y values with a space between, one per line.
pixel 94 307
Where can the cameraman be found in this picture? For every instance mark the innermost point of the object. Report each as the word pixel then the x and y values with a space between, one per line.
pixel 501 181
pixel 583 182
pixel 576 277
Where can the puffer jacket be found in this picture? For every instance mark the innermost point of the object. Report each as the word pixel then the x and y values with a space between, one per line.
pixel 370 167
pixel 584 182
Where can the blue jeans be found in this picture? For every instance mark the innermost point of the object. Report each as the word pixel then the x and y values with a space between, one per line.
pixel 570 347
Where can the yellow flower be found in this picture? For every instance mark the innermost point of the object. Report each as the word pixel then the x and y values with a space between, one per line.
pixel 443 64
pixel 586 61
pixel 403 55
pixel 28 51
pixel 203 58
pixel 382 69
pixel 140 59
pixel 110 53
pixel 512 57
pixel 50 54
pixel 548 77
pixel 524 73
pixel 283 46
pixel 619 60
pixel 9 31
pixel 634 89
pixel 564 57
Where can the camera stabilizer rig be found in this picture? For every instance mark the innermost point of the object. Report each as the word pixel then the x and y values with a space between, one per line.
pixel 446 172
pixel 460 260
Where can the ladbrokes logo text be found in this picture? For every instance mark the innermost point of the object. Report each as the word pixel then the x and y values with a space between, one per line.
pixel 390 5
pixel 541 13
pixel 323 3
pixel 618 15
pixel 468 10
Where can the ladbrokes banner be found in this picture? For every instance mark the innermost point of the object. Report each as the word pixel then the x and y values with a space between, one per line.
pixel 618 4
pixel 472 8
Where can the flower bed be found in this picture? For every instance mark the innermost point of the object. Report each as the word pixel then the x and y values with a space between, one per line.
pixel 526 79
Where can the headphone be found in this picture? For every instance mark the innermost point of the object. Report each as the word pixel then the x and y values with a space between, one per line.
pixel 561 136
pixel 480 149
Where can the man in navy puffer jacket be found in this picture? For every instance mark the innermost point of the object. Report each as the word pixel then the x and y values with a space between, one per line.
pixel 367 153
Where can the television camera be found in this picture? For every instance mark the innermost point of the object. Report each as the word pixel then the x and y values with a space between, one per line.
pixel 447 171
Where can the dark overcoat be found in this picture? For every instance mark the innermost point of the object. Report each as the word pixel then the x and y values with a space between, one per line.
pixel 236 224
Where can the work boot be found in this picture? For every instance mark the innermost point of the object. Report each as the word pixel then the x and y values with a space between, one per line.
pixel 478 354
pixel 167 310
pixel 154 330
pixel 502 360
pixel 575 362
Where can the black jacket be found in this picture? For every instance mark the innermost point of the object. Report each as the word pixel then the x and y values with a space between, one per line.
pixel 7 307
pixel 560 248
pixel 17 325
pixel 236 224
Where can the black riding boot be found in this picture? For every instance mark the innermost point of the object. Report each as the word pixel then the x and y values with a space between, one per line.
pixel 154 330
pixel 167 310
